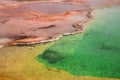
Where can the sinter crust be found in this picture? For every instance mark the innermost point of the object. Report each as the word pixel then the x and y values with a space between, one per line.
pixel 38 22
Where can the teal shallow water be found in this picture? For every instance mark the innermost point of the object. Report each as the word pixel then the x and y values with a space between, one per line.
pixel 96 52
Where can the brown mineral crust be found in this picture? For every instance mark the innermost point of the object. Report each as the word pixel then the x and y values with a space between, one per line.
pixel 108 3
pixel 94 4
pixel 77 2
pixel 38 22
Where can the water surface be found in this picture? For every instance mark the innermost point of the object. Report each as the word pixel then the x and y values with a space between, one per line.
pixel 96 52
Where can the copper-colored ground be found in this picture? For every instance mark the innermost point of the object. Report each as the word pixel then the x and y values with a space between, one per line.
pixel 30 23
pixel 33 22
pixel 23 22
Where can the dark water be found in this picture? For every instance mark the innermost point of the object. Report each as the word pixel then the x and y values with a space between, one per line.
pixel 96 52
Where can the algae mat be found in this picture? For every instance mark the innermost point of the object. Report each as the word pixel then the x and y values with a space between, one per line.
pixel 19 63
pixel 96 52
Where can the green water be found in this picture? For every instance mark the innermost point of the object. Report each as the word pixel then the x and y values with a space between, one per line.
pixel 96 52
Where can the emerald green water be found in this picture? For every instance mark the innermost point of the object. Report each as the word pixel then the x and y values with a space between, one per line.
pixel 96 52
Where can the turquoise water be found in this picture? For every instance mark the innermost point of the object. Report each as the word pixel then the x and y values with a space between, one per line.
pixel 96 52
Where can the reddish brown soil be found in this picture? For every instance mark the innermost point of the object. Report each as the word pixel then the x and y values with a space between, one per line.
pixel 44 20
